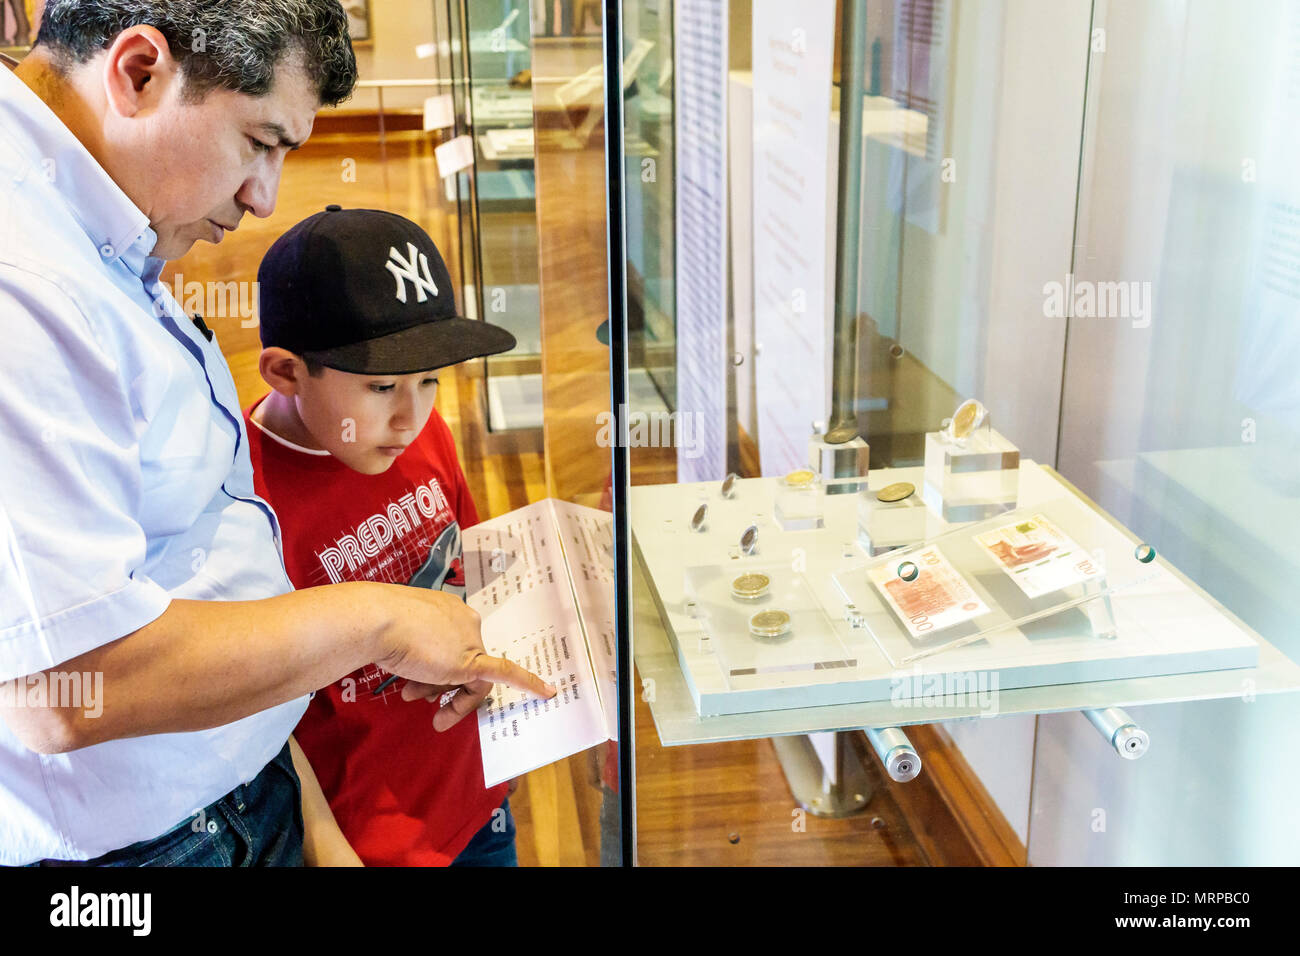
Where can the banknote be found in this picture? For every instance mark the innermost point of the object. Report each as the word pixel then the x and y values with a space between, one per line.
pixel 936 598
pixel 1038 556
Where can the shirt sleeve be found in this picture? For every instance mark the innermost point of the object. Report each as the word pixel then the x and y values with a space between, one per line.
pixel 70 485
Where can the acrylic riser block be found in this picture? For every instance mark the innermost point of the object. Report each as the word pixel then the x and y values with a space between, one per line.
pixel 971 479
pixel 798 508
pixel 885 525
pixel 842 468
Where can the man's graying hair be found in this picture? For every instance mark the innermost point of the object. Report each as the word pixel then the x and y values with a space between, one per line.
pixel 231 44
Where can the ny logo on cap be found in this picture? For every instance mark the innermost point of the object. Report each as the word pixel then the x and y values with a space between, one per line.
pixel 403 269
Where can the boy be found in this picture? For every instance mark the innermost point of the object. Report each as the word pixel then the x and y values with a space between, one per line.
pixel 357 311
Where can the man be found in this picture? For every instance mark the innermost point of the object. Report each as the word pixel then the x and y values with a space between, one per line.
pixel 153 658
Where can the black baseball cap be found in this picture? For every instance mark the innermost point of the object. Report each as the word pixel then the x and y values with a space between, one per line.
pixel 366 291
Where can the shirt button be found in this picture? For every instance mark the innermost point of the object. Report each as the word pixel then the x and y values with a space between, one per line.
pixel 107 251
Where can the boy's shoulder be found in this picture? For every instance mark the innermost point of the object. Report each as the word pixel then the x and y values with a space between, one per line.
pixel 248 414
pixel 282 469
pixel 436 438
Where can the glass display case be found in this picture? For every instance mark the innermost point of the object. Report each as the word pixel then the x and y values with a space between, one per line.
pixel 489 59
pixel 957 447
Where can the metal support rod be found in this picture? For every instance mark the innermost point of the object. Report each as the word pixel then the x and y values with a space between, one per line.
pixel 812 784
pixel 843 425
pixel 896 752
pixel 1129 740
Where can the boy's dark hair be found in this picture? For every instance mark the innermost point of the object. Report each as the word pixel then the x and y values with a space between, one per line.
pixel 315 367
pixel 231 44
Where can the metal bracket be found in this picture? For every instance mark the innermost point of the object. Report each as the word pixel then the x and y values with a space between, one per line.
pixel 896 752
pixel 1121 732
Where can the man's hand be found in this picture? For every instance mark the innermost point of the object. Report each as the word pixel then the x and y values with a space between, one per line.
pixel 435 641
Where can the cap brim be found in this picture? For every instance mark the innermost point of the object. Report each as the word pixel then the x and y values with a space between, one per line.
pixel 421 348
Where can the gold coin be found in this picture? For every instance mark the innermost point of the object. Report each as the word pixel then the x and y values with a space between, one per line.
pixel 969 414
pixel 896 492
pixel 769 623
pixel 800 477
pixel 751 585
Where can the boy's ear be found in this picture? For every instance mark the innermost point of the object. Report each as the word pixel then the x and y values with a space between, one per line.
pixel 282 370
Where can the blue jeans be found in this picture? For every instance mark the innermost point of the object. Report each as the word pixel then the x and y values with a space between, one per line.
pixel 494 844
pixel 259 823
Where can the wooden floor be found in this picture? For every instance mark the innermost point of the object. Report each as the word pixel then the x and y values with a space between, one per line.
pixel 720 804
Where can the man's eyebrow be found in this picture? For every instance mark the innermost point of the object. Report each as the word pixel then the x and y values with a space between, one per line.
pixel 280 133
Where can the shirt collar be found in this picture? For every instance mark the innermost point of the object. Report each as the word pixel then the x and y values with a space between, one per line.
pixel 276 438
pixel 113 222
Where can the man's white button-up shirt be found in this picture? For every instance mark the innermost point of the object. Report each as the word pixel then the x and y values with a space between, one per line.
pixel 124 482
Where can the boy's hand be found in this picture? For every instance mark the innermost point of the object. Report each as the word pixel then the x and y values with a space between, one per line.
pixel 434 638
pixel 323 843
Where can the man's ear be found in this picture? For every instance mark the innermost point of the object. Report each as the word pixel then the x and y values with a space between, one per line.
pixel 282 370
pixel 139 69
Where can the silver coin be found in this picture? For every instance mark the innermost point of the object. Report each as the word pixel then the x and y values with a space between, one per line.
pixel 697 520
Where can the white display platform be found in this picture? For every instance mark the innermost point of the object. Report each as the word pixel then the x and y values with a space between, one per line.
pixel 678 722
pixel 1166 625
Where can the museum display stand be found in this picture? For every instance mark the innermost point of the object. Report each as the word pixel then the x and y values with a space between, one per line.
pixel 1125 629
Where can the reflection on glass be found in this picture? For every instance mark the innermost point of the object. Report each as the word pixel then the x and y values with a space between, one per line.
pixel 649 183
pixel 499 69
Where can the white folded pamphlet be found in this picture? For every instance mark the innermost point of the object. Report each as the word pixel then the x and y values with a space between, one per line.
pixel 542 578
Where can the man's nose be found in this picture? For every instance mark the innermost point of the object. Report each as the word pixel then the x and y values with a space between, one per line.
pixel 259 191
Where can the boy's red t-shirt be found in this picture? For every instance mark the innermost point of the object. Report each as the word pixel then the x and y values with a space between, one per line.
pixel 403 793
